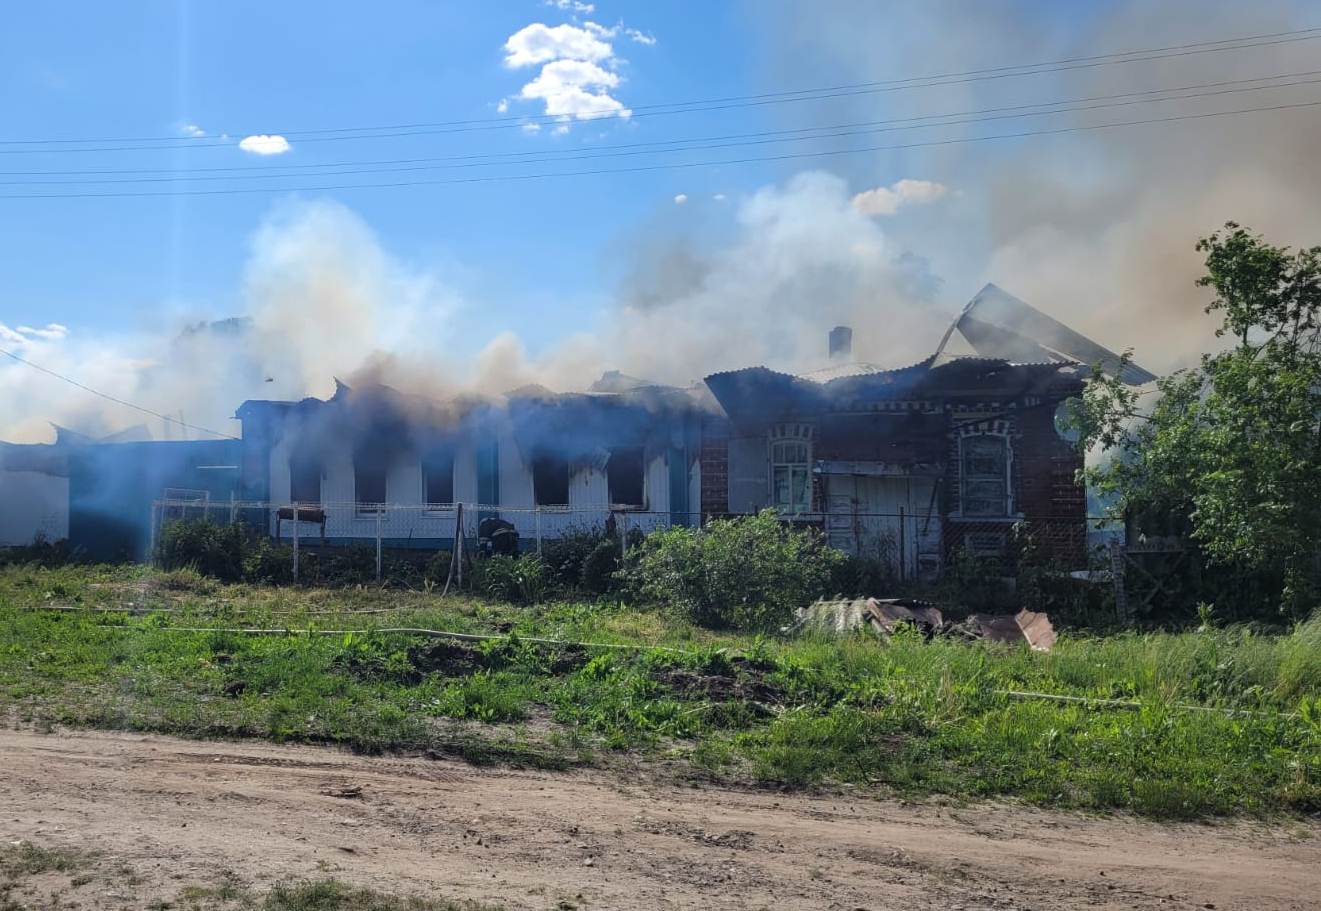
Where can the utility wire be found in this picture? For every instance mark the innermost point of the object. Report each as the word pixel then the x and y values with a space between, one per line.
pixel 676 145
pixel 108 397
pixel 790 156
pixel 681 107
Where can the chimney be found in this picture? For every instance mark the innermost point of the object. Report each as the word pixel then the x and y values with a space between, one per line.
pixel 841 343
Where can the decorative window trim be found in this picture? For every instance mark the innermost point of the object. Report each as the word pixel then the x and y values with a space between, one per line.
pixel 1002 429
pixel 777 437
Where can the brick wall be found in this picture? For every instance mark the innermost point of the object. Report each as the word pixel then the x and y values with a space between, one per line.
pixel 714 458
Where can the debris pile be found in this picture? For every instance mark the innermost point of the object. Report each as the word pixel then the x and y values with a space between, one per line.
pixel 884 615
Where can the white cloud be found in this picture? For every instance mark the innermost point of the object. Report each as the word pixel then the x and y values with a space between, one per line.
pixel 192 130
pixel 23 336
pixel 531 128
pixel 579 67
pixel 575 88
pixel 263 144
pixel 906 192
pixel 502 106
pixel 719 197
pixel 50 332
pixel 681 199
pixel 541 43
pixel 572 6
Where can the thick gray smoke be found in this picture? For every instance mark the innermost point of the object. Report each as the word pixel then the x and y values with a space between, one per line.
pixel 1097 228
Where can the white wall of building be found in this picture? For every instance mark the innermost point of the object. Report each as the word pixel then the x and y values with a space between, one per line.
pixel 32 502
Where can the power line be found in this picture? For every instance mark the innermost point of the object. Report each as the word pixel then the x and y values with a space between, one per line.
pixel 502 178
pixel 682 107
pixel 677 145
pixel 108 397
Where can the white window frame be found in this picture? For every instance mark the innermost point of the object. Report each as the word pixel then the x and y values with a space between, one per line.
pixel 781 436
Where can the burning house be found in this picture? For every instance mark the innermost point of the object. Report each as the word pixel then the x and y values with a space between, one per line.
pixel 907 465
pixel 546 464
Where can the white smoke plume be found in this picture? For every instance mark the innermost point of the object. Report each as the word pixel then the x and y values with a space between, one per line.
pixel 323 299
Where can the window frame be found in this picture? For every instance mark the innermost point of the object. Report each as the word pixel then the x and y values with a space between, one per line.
pixel 611 466
pixel 370 507
pixel 537 466
pixel 791 468
pixel 425 464
pixel 1003 478
pixel 311 463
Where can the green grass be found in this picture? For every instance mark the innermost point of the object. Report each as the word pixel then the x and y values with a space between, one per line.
pixel 909 716
pixel 331 895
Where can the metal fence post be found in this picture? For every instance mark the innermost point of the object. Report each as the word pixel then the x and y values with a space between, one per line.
pixel 151 542
pixel 623 536
pixel 295 543
pixel 903 550
pixel 537 510
pixel 379 513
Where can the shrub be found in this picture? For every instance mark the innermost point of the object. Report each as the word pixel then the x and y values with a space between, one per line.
pixel 211 549
pixel 750 572
pixel 520 580
pixel 566 556
pixel 41 552
pixel 438 566
pixel 863 577
pixel 598 575
pixel 354 565
pixel 266 562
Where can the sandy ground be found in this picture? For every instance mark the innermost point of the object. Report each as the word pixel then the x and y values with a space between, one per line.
pixel 178 812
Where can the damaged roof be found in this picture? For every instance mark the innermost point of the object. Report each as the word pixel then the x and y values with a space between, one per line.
pixel 997 324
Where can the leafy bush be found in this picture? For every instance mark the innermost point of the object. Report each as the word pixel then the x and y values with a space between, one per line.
pixel 598 575
pixel 749 572
pixel 213 550
pixel 268 563
pixel 863 577
pixel 566 556
pixel 41 552
pixel 438 566
pixel 519 580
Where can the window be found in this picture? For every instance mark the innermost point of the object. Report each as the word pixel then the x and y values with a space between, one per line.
pixel 305 478
pixel 791 480
pixel 438 477
pixel 368 479
pixel 624 472
pixel 985 475
pixel 550 480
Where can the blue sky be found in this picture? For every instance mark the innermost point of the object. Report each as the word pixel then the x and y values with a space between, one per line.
pixel 149 69
pixel 667 273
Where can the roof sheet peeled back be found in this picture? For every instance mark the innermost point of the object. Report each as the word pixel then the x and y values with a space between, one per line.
pixel 997 324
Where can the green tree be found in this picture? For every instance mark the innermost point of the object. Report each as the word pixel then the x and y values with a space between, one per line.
pixel 1231 450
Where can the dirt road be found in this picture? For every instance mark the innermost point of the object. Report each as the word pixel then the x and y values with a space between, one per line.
pixel 182 812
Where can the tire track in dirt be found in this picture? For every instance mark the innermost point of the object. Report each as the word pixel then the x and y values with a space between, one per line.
pixel 181 812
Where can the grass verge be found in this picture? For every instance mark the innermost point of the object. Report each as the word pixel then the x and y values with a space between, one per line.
pixel 908 716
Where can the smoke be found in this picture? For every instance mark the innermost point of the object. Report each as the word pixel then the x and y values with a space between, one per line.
pixel 323 299
pixel 1096 228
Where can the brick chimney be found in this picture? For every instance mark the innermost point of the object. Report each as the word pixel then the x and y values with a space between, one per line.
pixel 841 343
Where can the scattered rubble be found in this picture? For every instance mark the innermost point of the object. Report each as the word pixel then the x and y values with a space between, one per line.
pixel 884 615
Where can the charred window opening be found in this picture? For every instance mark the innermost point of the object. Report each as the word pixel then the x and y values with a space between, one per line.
pixel 791 480
pixel 550 480
pixel 438 477
pixel 624 474
pixel 985 475
pixel 369 466
pixel 305 477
